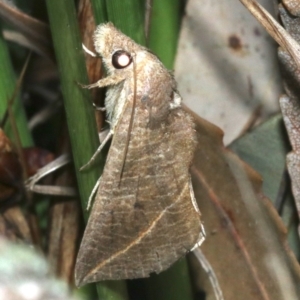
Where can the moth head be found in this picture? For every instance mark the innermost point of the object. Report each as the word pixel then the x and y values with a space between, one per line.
pixel 116 49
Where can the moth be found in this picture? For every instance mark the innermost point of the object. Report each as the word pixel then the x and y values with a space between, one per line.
pixel 145 216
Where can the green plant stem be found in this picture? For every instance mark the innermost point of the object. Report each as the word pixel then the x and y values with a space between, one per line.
pixel 77 101
pixel 128 16
pixel 7 88
pixel 100 11
pixel 173 284
pixel 78 106
pixel 164 30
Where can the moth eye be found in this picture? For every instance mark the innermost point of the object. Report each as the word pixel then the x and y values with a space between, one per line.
pixel 121 59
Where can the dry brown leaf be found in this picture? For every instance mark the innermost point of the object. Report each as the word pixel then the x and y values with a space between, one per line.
pixel 278 33
pixel 289 56
pixel 246 239
pixel 64 228
pixel 14 226
pixel 63 237
pixel 87 28
pixel 93 65
pixel 10 171
pixel 35 31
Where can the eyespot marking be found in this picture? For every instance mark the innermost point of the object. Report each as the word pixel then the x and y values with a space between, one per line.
pixel 121 59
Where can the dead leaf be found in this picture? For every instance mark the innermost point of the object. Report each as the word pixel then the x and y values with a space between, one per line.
pixel 289 56
pixel 93 64
pixel 227 67
pixel 63 237
pixel 278 33
pixel 64 229
pixel 14 226
pixel 35 31
pixel 36 158
pixel 246 239
pixel 10 172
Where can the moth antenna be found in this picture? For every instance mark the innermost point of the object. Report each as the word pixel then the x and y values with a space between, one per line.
pixel 131 118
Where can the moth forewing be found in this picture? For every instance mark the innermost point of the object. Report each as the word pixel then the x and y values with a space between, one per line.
pixel 145 220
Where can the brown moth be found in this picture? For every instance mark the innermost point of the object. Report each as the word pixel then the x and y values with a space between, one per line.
pixel 145 216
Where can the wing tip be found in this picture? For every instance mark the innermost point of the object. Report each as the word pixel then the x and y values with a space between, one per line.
pixel 80 279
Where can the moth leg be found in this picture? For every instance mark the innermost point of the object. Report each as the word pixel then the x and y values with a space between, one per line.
pixel 110 80
pixel 99 107
pixel 103 134
pixel 107 138
pixel 93 194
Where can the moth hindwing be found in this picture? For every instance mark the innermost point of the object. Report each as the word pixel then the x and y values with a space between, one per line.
pixel 144 216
